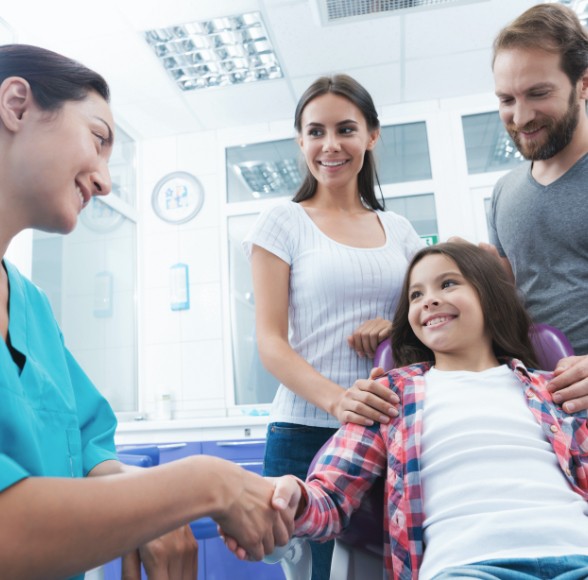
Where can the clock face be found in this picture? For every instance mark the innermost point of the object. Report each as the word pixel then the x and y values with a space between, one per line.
pixel 177 197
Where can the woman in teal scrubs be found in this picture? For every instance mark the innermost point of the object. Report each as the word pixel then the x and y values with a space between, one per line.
pixel 67 503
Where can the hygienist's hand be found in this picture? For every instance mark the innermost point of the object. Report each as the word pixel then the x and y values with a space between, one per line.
pixel 249 516
pixel 365 339
pixel 287 500
pixel 569 387
pixel 367 401
pixel 173 556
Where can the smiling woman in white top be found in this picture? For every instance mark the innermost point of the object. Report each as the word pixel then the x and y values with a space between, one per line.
pixel 327 269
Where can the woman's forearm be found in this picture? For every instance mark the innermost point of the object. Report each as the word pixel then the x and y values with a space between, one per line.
pixel 54 528
pixel 299 376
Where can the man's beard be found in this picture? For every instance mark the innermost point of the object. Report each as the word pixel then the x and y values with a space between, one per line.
pixel 559 133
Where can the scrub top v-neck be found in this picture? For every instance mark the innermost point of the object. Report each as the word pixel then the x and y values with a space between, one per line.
pixel 53 421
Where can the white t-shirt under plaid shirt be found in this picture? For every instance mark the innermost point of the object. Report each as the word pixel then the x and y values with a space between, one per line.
pixel 333 289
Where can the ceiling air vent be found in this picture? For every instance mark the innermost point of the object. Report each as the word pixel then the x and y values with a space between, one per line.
pixel 343 11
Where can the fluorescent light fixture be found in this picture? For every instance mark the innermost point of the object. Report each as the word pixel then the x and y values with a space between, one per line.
pixel 216 53
pixel 265 178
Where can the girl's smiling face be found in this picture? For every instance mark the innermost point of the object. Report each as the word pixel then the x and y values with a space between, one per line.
pixel 446 315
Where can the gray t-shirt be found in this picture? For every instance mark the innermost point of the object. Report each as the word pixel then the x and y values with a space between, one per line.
pixel 543 231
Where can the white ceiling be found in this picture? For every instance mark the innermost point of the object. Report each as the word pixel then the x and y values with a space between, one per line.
pixel 412 56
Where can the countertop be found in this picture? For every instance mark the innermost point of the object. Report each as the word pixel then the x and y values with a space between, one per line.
pixel 197 429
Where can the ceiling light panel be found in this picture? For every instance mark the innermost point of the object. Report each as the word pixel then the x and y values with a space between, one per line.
pixel 216 53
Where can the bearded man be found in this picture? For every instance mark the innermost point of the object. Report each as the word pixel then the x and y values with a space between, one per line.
pixel 539 214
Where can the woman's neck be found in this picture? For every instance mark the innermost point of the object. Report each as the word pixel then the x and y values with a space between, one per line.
pixel 347 201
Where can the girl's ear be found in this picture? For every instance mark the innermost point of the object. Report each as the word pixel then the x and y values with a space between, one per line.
pixel 15 98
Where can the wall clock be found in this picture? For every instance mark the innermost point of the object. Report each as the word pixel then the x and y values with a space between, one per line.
pixel 177 197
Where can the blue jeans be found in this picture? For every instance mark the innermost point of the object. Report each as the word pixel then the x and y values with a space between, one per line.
pixel 552 568
pixel 290 448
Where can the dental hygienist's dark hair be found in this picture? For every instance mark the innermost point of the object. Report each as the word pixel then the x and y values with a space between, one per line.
pixel 348 88
pixel 505 317
pixel 54 79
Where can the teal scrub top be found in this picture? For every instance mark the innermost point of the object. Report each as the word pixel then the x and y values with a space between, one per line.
pixel 53 421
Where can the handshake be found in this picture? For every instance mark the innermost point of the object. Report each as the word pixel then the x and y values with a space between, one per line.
pixel 260 514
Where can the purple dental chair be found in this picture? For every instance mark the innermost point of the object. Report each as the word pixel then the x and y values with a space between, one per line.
pixel 358 552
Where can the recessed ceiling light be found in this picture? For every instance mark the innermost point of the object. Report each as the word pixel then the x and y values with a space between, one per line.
pixel 218 52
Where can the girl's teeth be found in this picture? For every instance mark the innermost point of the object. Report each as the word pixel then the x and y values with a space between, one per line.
pixel 436 321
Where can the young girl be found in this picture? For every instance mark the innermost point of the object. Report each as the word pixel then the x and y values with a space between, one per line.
pixel 485 476
pixel 327 270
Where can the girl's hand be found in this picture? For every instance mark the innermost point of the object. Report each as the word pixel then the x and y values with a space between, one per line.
pixel 569 387
pixel 287 500
pixel 366 337
pixel 367 401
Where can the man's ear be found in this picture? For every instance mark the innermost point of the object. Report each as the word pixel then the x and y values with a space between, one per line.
pixel 15 98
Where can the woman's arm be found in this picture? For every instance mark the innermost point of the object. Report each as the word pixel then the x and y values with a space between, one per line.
pixel 174 554
pixel 55 527
pixel 367 336
pixel 271 280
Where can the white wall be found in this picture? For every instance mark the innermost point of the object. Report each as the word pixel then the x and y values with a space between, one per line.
pixel 181 352
pixel 188 353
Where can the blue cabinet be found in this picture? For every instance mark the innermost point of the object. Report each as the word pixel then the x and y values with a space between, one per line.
pixel 215 562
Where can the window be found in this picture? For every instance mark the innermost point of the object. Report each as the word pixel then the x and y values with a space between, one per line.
pixel 420 211
pixel 253 384
pixel 488 145
pixel 263 171
pixel 402 153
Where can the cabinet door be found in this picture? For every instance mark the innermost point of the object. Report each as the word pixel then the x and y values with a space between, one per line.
pixel 220 563
pixel 215 562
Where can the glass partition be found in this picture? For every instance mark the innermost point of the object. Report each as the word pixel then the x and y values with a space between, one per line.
pixel 253 384
pixel 402 153
pixel 420 211
pixel 263 170
pixel 276 168
pixel 269 170
pixel 90 279
pixel 488 145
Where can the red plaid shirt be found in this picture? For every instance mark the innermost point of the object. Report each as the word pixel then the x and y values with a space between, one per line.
pixel 358 455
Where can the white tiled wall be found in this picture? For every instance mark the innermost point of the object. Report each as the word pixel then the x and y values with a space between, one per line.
pixel 187 353
pixel 181 352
